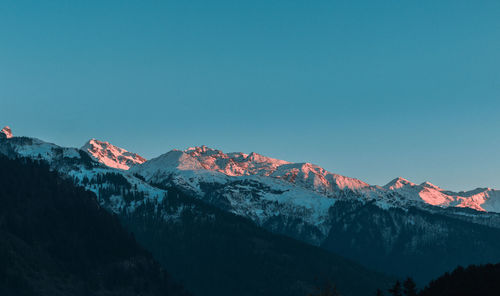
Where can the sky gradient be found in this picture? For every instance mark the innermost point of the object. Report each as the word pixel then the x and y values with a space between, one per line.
pixel 367 89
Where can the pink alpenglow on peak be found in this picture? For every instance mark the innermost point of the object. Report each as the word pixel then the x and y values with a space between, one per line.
pixel 6 133
pixel 430 185
pixel 208 165
pixel 235 164
pixel 111 155
pixel 398 183
pixel 480 199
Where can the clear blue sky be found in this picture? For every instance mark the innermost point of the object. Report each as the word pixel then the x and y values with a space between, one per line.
pixel 368 89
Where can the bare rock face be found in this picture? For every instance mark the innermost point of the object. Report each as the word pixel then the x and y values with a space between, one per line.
pixel 6 133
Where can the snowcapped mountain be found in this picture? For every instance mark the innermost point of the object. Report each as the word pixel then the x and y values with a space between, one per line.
pixel 112 156
pixel 206 165
pixel 480 199
pixel 6 133
pixel 203 159
pixel 37 149
pixel 299 200
pixel 194 168
pixel 304 174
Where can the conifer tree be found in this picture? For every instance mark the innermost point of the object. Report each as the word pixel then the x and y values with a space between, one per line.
pixel 396 289
pixel 409 287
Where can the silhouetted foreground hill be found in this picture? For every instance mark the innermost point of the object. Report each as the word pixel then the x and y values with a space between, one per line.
pixel 56 240
pixel 474 280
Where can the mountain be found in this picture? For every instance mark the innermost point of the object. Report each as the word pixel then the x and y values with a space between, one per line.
pixel 413 241
pixel 305 175
pixel 401 228
pixel 111 155
pixel 211 251
pixel 6 133
pixel 480 199
pixel 56 240
pixel 311 177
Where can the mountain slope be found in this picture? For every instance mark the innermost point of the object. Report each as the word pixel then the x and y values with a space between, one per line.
pixel 55 240
pixel 112 156
pixel 217 253
pixel 411 242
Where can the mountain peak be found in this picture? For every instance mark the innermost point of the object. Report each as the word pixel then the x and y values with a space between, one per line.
pixel 202 150
pixel 258 158
pixel 6 133
pixel 112 156
pixel 397 183
pixel 430 185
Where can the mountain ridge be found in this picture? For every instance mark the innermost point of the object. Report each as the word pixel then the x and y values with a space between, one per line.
pixel 206 161
pixel 316 178
pixel 293 201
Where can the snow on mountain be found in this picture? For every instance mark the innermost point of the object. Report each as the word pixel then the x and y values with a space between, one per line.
pixel 430 185
pixel 195 167
pixel 38 149
pixel 398 183
pixel 86 171
pixel 111 155
pixel 480 199
pixel 316 178
pixel 306 175
pixel 206 165
pixel 240 164
pixel 234 164
pixel 299 200
pixel 424 192
pixel 6 133
pixel 240 183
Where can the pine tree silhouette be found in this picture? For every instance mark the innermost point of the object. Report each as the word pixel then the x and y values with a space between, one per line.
pixel 396 289
pixel 409 287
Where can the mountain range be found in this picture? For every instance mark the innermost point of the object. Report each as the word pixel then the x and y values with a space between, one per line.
pixel 401 229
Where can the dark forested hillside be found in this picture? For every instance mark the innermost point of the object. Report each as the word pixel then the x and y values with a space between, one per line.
pixel 217 253
pixel 56 240
pixel 475 280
